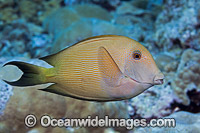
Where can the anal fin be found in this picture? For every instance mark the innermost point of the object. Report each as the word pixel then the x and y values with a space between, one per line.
pixel 54 88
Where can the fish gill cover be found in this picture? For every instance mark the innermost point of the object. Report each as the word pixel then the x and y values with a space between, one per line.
pixel 169 29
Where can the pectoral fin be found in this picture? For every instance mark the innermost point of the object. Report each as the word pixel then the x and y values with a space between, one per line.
pixel 109 69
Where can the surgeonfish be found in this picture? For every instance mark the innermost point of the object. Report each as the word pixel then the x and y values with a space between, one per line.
pixel 101 68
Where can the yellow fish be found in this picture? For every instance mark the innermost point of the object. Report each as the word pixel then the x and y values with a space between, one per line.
pixel 101 68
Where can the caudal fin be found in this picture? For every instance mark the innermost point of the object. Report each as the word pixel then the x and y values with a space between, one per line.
pixel 32 75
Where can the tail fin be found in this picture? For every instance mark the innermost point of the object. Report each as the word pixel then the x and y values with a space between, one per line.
pixel 32 75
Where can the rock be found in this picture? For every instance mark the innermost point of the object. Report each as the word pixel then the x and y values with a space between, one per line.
pixel 85 28
pixel 185 122
pixel 62 18
pixel 174 28
pixel 188 75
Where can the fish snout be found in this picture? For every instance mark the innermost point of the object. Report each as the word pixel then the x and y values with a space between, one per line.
pixel 158 79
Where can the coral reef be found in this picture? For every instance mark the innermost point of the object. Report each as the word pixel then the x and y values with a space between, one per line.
pixel 22 104
pixel 64 17
pixel 92 11
pixel 8 14
pixel 15 33
pixel 5 93
pixel 112 109
pixel 188 75
pixel 155 102
pixel 77 22
pixel 33 11
pixel 107 4
pixel 23 39
pixel 181 87
pixel 28 9
pixel 87 28
pixel 168 29
pixel 67 17
pixel 173 26
pixel 185 122
pixel 140 14
pixel 47 8
pixel 166 62
pixel 39 45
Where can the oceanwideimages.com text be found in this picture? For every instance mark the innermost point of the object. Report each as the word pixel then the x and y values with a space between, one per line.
pixel 47 121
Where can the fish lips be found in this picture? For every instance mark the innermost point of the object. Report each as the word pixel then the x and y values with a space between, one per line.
pixel 144 83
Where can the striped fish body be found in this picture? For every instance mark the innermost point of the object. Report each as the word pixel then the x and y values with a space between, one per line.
pixel 78 71
pixel 102 68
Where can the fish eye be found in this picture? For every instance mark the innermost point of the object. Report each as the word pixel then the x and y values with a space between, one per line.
pixel 137 55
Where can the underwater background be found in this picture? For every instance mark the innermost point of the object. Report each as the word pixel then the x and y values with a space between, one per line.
pixel 169 29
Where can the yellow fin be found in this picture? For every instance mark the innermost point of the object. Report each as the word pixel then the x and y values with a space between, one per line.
pixel 50 59
pixel 100 36
pixel 54 58
pixel 56 89
pixel 32 74
pixel 109 69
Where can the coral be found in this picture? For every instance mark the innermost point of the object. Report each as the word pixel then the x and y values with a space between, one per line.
pixel 40 44
pixel 129 8
pixel 68 36
pixel 17 32
pixel 71 24
pixel 31 10
pixel 174 28
pixel 155 102
pixel 108 4
pixel 166 28
pixel 95 109
pixel 5 3
pixel 8 15
pixel 28 9
pixel 69 15
pixel 166 62
pixel 47 8
pixel 5 93
pixel 137 11
pixel 185 122
pixel 73 2
pixel 30 100
pixel 92 11
pixel 60 19
pixel 141 15
pixel 188 75
pixel 111 109
pixel 104 27
pixel 86 28
pixel 19 38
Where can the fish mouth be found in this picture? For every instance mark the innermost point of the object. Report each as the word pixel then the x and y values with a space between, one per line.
pixel 140 82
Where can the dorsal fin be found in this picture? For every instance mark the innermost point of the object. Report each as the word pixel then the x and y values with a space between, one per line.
pixel 53 59
pixel 50 59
